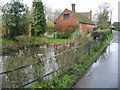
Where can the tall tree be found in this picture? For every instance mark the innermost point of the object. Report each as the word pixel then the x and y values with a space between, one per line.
pixel 13 18
pixel 56 13
pixel 48 13
pixel 103 15
pixel 39 21
pixel 51 15
pixel 28 17
pixel 0 16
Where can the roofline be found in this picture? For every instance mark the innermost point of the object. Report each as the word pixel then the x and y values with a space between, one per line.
pixel 86 23
pixel 84 16
pixel 74 17
pixel 83 12
pixel 60 15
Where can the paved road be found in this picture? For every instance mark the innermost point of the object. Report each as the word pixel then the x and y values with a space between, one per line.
pixel 103 73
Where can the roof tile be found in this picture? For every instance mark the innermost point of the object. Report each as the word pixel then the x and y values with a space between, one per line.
pixel 81 18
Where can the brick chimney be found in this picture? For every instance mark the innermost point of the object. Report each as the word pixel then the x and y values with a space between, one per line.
pixel 73 7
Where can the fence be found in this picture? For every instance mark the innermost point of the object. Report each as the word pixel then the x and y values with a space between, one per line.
pixel 65 59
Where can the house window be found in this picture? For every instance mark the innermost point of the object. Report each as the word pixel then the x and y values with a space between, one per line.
pixel 65 16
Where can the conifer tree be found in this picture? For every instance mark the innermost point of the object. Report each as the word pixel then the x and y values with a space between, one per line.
pixel 39 21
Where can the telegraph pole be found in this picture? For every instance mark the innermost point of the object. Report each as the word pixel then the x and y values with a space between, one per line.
pixel 110 17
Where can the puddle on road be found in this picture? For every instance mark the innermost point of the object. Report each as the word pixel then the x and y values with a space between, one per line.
pixel 103 58
pixel 110 49
pixel 113 47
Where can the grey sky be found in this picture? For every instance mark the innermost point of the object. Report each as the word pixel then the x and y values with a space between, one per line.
pixel 81 5
pixel 119 12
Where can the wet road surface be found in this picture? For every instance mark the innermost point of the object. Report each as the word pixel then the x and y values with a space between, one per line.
pixel 103 73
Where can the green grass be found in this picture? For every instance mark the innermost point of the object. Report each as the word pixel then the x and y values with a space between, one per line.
pixel 8 45
pixel 0 40
pixel 36 41
pixel 54 40
pixel 6 41
pixel 67 78
pixel 117 29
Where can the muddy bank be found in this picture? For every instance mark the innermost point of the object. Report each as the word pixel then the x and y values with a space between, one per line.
pixel 16 48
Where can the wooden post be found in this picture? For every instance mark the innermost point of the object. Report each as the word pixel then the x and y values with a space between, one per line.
pixel 29 29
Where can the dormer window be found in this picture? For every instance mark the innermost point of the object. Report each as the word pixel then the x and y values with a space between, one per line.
pixel 65 16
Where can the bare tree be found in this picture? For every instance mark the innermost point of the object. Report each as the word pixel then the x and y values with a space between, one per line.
pixel 104 15
pixel 56 13
pixel 119 11
pixel 48 13
pixel 52 15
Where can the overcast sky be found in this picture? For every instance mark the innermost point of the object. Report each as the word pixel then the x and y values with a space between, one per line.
pixel 81 5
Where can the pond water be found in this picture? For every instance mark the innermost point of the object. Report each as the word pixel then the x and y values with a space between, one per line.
pixel 44 66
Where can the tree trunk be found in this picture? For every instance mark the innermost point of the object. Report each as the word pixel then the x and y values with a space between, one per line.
pixel 29 28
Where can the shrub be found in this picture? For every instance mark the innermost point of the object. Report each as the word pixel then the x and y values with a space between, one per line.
pixel 65 35
pixel 24 39
pixel 38 40
pixel 80 36
pixel 101 33
pixel 50 27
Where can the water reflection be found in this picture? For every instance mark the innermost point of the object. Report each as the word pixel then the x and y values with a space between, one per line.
pixel 18 77
pixel 110 49
pixel 0 71
pixel 35 54
pixel 28 56
pixel 50 65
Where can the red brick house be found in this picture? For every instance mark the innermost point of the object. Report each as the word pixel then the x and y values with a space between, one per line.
pixel 69 20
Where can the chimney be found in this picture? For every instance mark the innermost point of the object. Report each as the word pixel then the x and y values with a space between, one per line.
pixel 90 14
pixel 73 7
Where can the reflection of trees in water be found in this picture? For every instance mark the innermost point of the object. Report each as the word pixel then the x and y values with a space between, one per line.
pixel 18 59
pixel 21 76
pixel 25 57
pixel 50 64
pixel 67 58
pixel 1 71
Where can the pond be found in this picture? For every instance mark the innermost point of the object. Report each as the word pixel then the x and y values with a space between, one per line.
pixel 41 67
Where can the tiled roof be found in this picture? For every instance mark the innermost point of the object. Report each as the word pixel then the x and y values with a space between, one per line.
pixel 87 14
pixel 81 17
